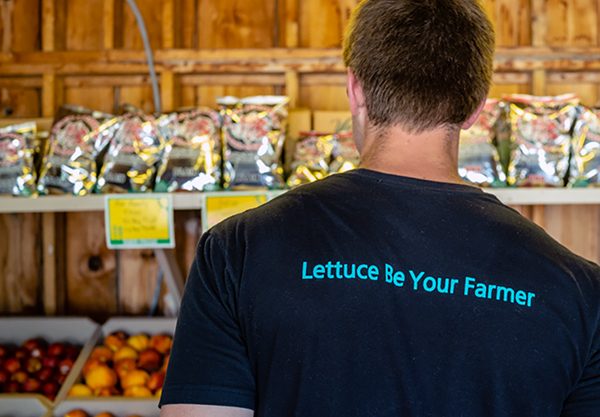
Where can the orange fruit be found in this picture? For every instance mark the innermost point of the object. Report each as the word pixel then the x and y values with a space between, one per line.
pixel 101 353
pixel 161 343
pixel 105 415
pixel 139 342
pixel 80 390
pixel 125 352
pixel 137 391
pixel 115 341
pixel 101 377
pixel 89 365
pixel 125 366
pixel 135 377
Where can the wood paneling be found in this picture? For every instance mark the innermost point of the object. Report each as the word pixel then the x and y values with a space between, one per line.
pixel 322 22
pixel 13 36
pixel 236 24
pixel 573 22
pixel 91 267
pixel 324 98
pixel 20 102
pixel 140 97
pixel 576 227
pixel 207 95
pixel 97 98
pixel 84 30
pixel 512 21
pixel 20 264
pixel 127 29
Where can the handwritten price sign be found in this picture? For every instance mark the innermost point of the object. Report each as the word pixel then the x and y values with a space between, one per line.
pixel 144 221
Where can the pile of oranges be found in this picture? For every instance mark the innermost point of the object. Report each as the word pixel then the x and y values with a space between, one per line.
pixel 132 366
pixel 81 413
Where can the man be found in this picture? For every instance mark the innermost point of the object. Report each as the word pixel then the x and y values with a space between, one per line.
pixel 392 290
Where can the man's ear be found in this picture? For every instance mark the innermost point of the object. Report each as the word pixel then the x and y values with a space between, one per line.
pixel 355 94
pixel 474 116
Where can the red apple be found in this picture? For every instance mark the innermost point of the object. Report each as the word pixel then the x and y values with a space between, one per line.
pixel 71 352
pixel 59 378
pixel 19 376
pixel 56 349
pixel 50 361
pixel 11 386
pixel 50 389
pixel 65 366
pixel 149 360
pixel 12 365
pixel 32 385
pixel 4 377
pixel 33 365
pixel 45 374
pixel 33 344
pixel 21 353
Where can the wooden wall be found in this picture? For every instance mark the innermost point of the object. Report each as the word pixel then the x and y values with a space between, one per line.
pixel 89 52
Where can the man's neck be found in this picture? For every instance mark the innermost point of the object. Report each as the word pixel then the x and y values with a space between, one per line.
pixel 430 155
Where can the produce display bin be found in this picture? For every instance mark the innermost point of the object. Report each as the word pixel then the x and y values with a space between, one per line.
pixel 80 331
pixel 131 326
pixel 118 406
pixel 23 407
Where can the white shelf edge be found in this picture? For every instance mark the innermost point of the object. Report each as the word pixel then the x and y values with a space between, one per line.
pixel 195 201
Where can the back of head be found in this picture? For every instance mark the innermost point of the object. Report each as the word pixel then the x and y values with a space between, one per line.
pixel 422 64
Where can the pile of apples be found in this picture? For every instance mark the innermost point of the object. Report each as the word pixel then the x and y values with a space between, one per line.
pixel 36 367
pixel 81 413
pixel 132 366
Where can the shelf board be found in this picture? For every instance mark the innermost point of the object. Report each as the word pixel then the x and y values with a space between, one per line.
pixel 195 201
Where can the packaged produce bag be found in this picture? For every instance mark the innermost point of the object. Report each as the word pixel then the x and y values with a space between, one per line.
pixel 135 148
pixel 585 159
pixel 253 131
pixel 478 158
pixel 70 164
pixel 17 167
pixel 311 158
pixel 192 157
pixel 541 129
pixel 318 155
pixel 344 155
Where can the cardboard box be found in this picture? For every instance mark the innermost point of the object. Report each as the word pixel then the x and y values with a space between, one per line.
pixel 22 407
pixel 79 331
pixel 131 326
pixel 119 407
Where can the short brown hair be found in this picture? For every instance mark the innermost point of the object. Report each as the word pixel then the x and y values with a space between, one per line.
pixel 421 63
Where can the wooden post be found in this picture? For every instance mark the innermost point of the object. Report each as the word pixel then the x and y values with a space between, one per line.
pixel 168 24
pixel 49 262
pixel 108 37
pixel 292 88
pixel 48 95
pixel 167 90
pixel 48 25
pixel 290 21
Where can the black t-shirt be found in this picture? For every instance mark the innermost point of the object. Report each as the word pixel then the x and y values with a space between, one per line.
pixel 367 294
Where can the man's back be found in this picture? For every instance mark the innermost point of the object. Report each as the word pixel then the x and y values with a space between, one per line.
pixel 373 294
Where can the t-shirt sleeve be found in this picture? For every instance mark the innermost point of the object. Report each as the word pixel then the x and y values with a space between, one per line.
pixel 584 400
pixel 209 362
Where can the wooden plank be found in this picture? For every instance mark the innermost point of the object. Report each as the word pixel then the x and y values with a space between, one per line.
pixel 96 98
pixel 21 82
pixel 538 86
pixel 288 23
pixel 188 229
pixel 151 11
pixel 189 96
pixel 108 24
pixel 232 79
pixel 498 90
pixel 49 263
pixel 324 98
pixel 236 24
pixel 324 79
pixel 573 22
pixel 292 88
pixel 106 81
pixel 588 92
pixel 539 216
pixel 539 22
pixel 14 13
pixel 48 95
pixel 7 9
pixel 576 227
pixel 207 95
pixel 320 24
pixel 84 30
pixel 186 32
pixel 168 24
pixel 140 97
pixel 20 102
pixel 138 273
pixel 20 269
pixel 91 268
pixel 167 91
pixel 48 25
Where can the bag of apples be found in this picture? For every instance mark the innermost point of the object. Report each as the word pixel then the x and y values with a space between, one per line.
pixel 40 356
pixel 130 360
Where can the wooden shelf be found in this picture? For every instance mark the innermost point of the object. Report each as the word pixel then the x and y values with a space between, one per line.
pixel 195 201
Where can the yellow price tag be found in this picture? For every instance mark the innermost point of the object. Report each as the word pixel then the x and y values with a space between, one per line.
pixel 219 208
pixel 139 221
